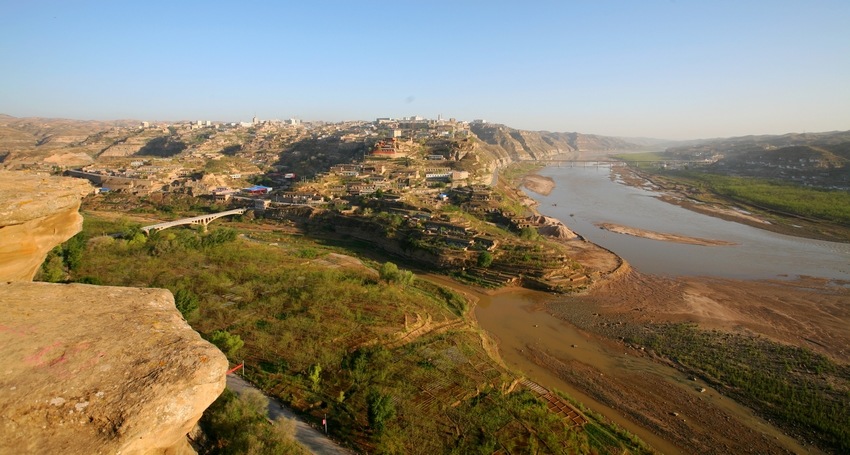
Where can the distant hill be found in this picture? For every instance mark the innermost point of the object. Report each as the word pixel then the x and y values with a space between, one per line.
pixel 512 144
pixel 817 159
pixel 64 141
pixel 750 144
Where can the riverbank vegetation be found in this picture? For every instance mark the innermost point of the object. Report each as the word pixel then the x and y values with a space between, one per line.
pixel 779 206
pixel 787 198
pixel 784 197
pixel 803 392
pixel 393 361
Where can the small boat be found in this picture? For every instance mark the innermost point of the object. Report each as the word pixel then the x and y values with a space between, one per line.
pixel 554 205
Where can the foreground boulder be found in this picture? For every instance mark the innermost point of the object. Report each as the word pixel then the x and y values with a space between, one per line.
pixel 89 369
pixel 37 212
pixel 99 369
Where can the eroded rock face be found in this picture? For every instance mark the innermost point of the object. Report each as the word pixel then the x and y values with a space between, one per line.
pixel 37 212
pixel 89 369
pixel 99 369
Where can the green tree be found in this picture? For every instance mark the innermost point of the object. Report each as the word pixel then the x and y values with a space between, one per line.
pixel 529 233
pixel 73 251
pixel 229 343
pixel 314 374
pixel 380 411
pixel 388 272
pixel 405 278
pixel 485 259
pixel 187 302
pixel 52 269
pixel 218 237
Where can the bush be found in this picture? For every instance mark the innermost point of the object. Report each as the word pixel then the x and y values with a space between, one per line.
pixel 529 233
pixel 380 410
pixel 390 273
pixel 229 343
pixel 186 302
pixel 485 259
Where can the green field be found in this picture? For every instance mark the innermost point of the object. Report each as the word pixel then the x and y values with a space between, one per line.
pixel 828 205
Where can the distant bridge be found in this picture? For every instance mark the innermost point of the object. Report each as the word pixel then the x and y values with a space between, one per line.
pixel 613 162
pixel 581 163
pixel 202 220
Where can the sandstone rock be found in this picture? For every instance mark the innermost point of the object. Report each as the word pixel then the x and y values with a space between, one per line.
pixel 37 212
pixel 89 369
pixel 552 227
pixel 99 369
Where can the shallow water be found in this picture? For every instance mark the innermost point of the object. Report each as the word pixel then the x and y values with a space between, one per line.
pixel 584 196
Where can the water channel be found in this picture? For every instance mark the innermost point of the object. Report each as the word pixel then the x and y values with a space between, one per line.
pixel 584 196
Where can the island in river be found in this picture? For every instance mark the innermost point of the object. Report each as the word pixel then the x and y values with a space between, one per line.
pixel 669 350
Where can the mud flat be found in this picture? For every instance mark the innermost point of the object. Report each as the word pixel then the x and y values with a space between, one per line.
pixel 575 344
pixel 664 237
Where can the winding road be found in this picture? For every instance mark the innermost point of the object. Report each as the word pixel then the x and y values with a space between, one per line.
pixel 312 439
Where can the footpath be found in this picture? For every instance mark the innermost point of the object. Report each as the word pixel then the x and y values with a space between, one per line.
pixel 309 437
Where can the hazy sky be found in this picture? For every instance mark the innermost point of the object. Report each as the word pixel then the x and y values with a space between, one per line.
pixel 671 69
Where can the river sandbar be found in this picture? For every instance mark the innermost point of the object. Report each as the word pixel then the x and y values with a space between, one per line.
pixel 664 237
pixel 539 184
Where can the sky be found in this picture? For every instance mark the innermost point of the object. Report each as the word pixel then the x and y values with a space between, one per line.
pixel 670 69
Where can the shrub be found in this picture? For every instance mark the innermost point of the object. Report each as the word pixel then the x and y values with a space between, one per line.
pixel 390 273
pixel 186 302
pixel 229 343
pixel 485 259
pixel 381 410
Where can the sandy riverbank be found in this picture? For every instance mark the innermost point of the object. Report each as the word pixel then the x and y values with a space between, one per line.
pixel 538 184
pixel 635 232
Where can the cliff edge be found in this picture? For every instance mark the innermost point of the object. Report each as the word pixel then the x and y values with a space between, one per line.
pixel 37 212
pixel 91 369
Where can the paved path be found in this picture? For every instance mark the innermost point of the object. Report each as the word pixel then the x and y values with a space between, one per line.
pixel 312 439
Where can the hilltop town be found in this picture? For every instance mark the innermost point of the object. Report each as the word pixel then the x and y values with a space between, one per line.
pixel 413 187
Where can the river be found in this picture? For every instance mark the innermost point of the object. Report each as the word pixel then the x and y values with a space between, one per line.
pixel 586 196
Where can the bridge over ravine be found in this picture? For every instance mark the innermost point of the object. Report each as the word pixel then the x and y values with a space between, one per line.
pixel 202 220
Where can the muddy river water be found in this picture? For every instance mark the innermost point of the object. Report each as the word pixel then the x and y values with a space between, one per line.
pixel 586 196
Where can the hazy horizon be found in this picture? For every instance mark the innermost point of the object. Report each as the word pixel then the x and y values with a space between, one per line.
pixel 662 69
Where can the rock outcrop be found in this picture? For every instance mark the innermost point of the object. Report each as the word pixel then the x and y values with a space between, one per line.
pixel 552 227
pixel 91 369
pixel 36 213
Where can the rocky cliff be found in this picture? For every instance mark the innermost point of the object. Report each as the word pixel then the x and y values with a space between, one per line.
pixel 36 214
pixel 505 142
pixel 90 369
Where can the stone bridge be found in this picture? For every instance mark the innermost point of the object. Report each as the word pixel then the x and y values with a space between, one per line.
pixel 202 220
